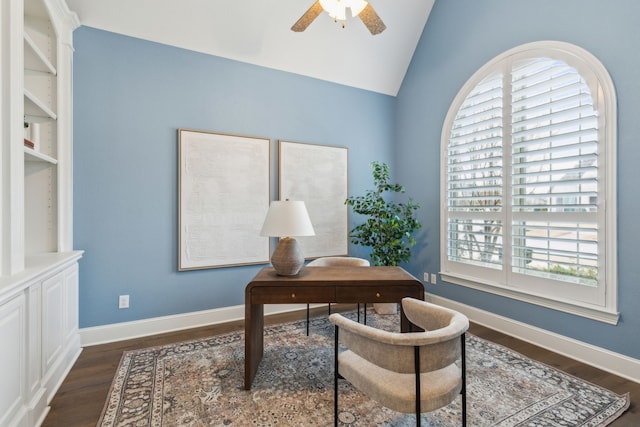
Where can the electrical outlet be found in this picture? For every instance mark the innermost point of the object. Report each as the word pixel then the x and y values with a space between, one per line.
pixel 434 279
pixel 123 301
pixel 426 277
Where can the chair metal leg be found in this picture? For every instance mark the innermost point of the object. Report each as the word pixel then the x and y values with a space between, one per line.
pixel 416 351
pixel 307 319
pixel 358 313
pixel 463 363
pixel 365 314
pixel 335 379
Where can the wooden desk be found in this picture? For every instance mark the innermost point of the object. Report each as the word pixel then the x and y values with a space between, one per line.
pixel 319 285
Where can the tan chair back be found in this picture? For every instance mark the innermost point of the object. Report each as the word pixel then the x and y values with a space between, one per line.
pixel 339 261
pixel 439 344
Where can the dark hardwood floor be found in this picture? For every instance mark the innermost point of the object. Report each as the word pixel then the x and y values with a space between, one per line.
pixel 81 397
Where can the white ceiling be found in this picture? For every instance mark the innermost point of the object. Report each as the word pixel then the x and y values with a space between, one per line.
pixel 258 32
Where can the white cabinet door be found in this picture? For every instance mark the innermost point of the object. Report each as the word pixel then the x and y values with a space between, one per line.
pixel 34 343
pixel 71 299
pixel 12 356
pixel 52 321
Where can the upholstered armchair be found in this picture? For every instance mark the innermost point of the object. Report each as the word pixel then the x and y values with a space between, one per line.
pixel 406 372
pixel 337 261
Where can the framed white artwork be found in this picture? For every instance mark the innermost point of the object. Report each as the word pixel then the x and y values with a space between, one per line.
pixel 224 195
pixel 318 175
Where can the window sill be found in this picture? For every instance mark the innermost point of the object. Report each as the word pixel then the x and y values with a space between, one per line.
pixel 595 313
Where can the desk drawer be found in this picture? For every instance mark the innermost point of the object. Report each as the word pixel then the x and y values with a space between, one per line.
pixel 370 294
pixel 290 295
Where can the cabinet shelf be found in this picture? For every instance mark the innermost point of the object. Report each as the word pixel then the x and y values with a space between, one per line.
pixel 31 155
pixel 34 57
pixel 37 109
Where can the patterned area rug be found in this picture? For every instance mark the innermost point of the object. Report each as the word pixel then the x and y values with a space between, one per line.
pixel 200 383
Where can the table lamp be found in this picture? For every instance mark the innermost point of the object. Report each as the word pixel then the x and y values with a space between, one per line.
pixel 287 218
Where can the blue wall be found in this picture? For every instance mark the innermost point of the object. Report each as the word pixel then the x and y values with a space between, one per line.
pixel 130 97
pixel 460 37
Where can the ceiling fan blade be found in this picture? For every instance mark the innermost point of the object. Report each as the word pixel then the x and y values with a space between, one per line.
pixel 371 20
pixel 308 17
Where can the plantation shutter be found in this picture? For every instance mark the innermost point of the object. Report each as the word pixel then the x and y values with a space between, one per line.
pixel 554 172
pixel 474 177
pixel 528 181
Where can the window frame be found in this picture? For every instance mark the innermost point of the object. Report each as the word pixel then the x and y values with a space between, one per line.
pixel 602 305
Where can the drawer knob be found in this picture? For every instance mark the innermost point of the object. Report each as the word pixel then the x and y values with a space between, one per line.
pixel 377 294
pixel 293 295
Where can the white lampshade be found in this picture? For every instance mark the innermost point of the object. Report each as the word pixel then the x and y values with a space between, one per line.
pixel 287 218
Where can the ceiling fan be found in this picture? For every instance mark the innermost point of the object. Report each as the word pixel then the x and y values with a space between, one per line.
pixel 337 10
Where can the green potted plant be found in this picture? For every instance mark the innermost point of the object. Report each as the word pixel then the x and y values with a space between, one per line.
pixel 389 226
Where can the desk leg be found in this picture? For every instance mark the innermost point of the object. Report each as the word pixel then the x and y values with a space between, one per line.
pixel 253 340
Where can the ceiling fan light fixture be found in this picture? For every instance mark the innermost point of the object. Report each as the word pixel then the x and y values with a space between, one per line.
pixel 334 8
pixel 357 6
pixel 337 9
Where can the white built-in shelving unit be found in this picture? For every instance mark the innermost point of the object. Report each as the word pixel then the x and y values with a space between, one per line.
pixel 39 281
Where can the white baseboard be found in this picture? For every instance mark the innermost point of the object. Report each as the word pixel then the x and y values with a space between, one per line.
pixel 615 363
pixel 158 325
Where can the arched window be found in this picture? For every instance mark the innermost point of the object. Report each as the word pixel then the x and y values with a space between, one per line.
pixel 528 181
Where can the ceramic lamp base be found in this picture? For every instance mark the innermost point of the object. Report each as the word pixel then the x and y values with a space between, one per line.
pixel 287 259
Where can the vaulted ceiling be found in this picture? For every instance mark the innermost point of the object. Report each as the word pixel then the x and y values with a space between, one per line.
pixel 259 32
